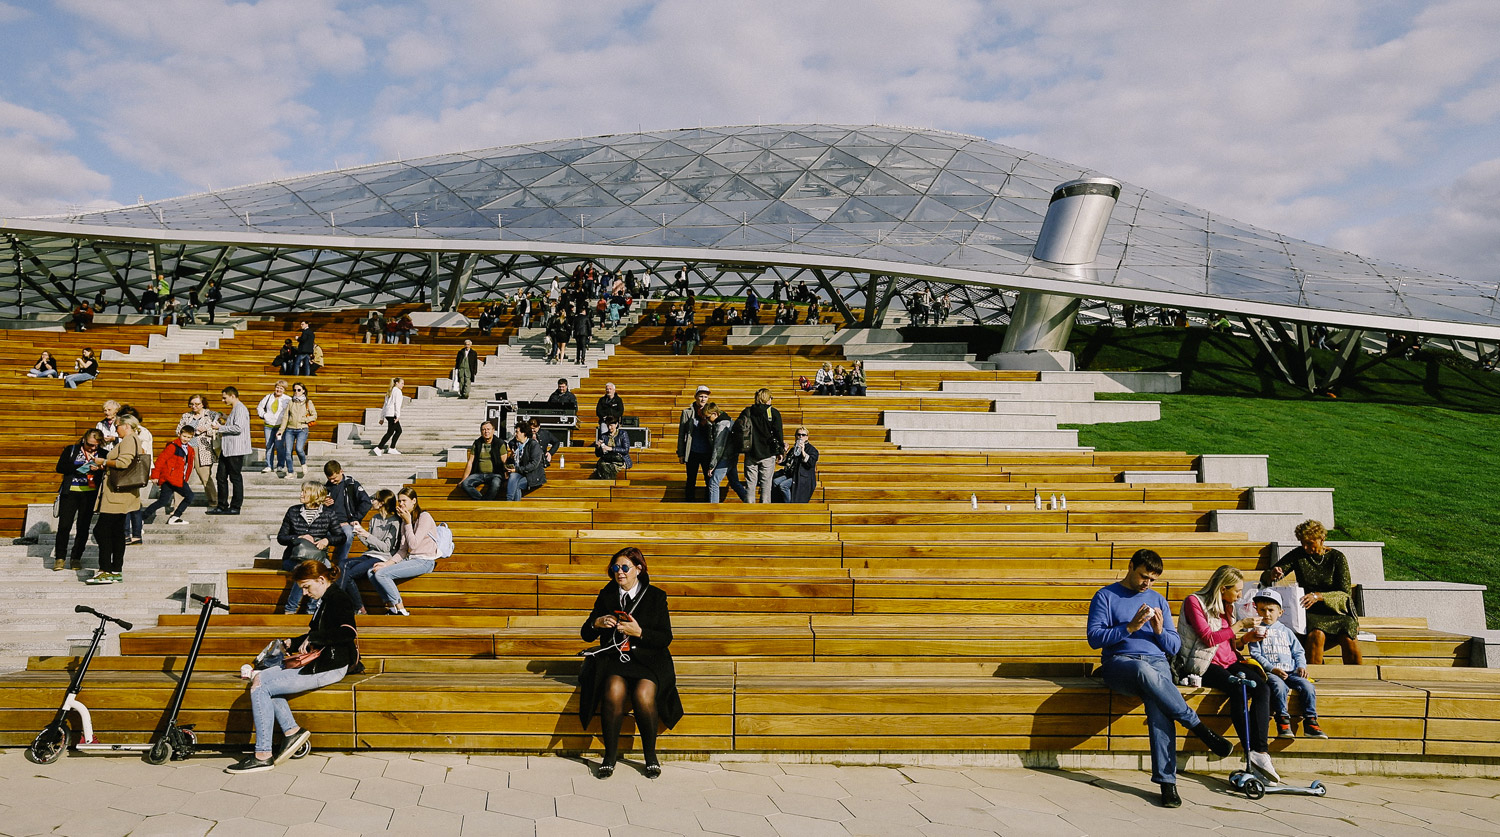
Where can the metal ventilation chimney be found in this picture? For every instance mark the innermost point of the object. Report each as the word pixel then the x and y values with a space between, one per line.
pixel 1070 235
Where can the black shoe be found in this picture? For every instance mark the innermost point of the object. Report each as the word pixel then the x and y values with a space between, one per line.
pixel 1217 744
pixel 605 770
pixel 217 510
pixel 232 511
pixel 149 520
pixel 652 770
pixel 1169 797
pixel 250 764
pixel 290 746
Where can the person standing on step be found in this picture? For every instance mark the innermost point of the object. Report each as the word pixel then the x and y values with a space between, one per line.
pixel 1131 625
pixel 725 457
pixel 350 503
pixel 296 422
pixel 272 412
pixel 235 446
pixel 135 522
pixel 332 632
pixel 202 420
pixel 583 334
pixel 306 339
pixel 765 446
pixel 118 496
pixel 77 496
pixel 695 442
pixel 466 368
pixel 390 416
pixel 170 473
pixel 214 297
pixel 752 307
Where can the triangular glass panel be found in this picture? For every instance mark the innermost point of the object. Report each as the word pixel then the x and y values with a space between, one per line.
pixel 897 206
pixel 900 158
pixel 700 167
pixel 860 138
pixel 991 182
pixel 856 211
pixel 882 184
pixel 934 211
pixel 735 160
pixel 699 141
pixel 808 186
pixel 764 139
pixel 819 208
pixel 604 154
pixel 351 209
pixel 664 214
pixel 701 187
pixel 743 212
pixel 565 176
pixel 666 149
pixel 594 196
pixel 461 219
pixel 837 159
pixel 531 174
pixel 918 179
pixel 634 150
pixel 457 167
pixel 519 199
pixel 557 196
pixel 624 217
pixel 732 144
pixel 483 186
pixel 571 154
pixel 766 161
pixel 783 213
pixel 668 166
pixel 846 181
pixel 1020 187
pixel 740 189
pixel 704 215
pixel 665 193
pixel 949 183
pixel 1004 210
pixel 596 172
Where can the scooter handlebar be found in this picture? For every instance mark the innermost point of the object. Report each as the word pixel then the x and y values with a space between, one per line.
pixel 1237 679
pixel 86 609
pixel 206 599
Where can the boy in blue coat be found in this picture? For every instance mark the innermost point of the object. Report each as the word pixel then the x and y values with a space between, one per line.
pixel 1281 655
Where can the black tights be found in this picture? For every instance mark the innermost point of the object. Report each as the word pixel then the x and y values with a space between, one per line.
pixel 642 694
pixel 1217 677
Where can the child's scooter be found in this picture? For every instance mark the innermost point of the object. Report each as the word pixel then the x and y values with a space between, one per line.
pixel 170 741
pixel 1249 782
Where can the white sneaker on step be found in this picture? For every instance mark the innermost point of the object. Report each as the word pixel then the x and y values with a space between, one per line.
pixel 393 451
pixel 1262 764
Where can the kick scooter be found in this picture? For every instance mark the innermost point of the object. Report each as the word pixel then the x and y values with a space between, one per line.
pixel 1250 783
pixel 170 741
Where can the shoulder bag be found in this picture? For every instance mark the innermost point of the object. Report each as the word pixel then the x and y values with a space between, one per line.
pixel 132 477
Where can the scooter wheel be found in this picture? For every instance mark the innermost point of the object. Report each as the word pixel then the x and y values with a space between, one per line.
pixel 1253 788
pixel 49 745
pixel 303 751
pixel 1318 789
pixel 159 753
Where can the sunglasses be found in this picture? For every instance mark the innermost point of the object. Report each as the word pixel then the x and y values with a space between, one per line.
pixel 620 568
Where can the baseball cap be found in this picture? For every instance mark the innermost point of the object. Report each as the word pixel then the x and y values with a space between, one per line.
pixel 1267 595
pixel 702 388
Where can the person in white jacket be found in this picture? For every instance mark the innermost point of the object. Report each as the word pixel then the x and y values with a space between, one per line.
pixel 390 416
pixel 270 410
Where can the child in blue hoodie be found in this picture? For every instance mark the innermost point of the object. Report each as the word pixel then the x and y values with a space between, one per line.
pixel 1281 655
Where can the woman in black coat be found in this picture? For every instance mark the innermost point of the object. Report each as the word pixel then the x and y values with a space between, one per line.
pixel 634 628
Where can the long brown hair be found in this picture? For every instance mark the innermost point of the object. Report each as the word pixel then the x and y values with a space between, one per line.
pixel 416 507
pixel 314 569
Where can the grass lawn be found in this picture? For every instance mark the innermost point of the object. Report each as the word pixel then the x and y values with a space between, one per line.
pixel 1412 448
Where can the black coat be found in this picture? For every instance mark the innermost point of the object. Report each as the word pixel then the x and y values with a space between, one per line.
pixel 332 629
pixel 294 526
pixel 609 406
pixel 803 473
pixel 472 359
pixel 649 650
pixel 766 440
pixel 350 500
pixel 306 339
pixel 563 400
pixel 531 465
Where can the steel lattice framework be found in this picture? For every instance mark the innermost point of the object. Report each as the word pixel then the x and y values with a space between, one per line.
pixel 864 213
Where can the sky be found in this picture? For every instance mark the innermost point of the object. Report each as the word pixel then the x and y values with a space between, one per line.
pixel 1368 125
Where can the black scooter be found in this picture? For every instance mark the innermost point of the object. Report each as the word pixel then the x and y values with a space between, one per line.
pixel 170 741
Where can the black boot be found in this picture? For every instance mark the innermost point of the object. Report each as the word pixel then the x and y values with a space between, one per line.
pixel 1169 797
pixel 1217 744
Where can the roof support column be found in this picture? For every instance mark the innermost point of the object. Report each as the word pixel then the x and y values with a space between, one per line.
pixel 460 281
pixel 434 269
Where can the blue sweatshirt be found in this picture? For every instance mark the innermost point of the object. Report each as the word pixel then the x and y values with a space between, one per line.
pixel 1110 613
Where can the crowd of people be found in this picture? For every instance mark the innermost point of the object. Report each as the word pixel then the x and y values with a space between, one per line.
pixel 836 380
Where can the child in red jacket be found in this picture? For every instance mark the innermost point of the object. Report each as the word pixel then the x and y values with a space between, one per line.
pixel 171 476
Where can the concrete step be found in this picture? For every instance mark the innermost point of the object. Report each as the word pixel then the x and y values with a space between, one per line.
pixel 987 439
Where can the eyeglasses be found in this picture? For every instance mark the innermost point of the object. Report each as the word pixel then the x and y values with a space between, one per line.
pixel 620 568
pixel 801 435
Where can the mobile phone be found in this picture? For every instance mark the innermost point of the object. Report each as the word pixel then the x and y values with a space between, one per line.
pixel 622 616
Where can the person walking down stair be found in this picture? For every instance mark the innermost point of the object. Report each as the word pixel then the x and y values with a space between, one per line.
pixel 306 340
pixel 390 416
pixel 466 367
pixel 583 334
pixel 235 445
pixel 296 422
pixel 272 412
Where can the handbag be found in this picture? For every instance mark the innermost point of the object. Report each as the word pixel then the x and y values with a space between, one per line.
pixel 301 658
pixel 132 477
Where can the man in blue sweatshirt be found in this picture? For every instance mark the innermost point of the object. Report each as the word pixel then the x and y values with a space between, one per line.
pixel 1132 624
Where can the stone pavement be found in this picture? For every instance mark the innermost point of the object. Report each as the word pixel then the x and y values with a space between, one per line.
pixel 435 795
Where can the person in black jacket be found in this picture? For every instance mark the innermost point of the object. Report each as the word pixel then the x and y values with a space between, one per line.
pixel 332 633
pixel 610 404
pixel 631 621
pixel 466 364
pixel 799 475
pixel 307 530
pixel 306 340
pixel 545 440
pixel 530 468
pixel 77 496
pixel 561 398
pixel 350 503
pixel 583 332
pixel 765 446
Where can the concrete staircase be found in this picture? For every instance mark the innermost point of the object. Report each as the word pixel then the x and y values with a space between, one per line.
pixel 170 347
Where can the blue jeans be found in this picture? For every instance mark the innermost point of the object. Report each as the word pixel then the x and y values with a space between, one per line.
pixel 341 550
pixel 1150 679
pixel 476 485
pixel 134 523
pixel 164 500
pixel 303 365
pixel 385 579
pixel 720 471
pixel 73 380
pixel 294 594
pixel 781 489
pixel 293 442
pixel 1303 687
pixel 268 699
pixel 515 486
pixel 275 456
pixel 350 572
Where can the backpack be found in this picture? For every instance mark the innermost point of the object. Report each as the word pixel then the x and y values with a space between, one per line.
pixel 745 428
pixel 443 537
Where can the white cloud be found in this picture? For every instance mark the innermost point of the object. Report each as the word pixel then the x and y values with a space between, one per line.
pixel 39 178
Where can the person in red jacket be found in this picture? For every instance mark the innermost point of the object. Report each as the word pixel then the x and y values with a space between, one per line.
pixel 170 473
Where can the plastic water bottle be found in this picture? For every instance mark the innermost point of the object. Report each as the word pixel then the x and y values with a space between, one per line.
pixel 562 460
pixel 973 501
pixel 1037 498
pixel 1063 500
pixel 1053 504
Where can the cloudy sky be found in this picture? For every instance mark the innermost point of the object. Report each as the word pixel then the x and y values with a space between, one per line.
pixel 1371 125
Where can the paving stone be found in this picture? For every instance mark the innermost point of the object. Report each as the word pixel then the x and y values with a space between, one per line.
pixel 813 771
pixel 1382 828
pixel 883 791
pixel 745 803
pixel 217 805
pixel 245 827
pixel 758 768
pixel 555 827
pixel 957 815
pixel 748 782
pixel 791 825
pixel 475 776
pixel 172 825
pixel 590 810
pixel 1018 801
pixel 663 816
pixel 151 801
pixel 427 822
pixel 196 778
pixel 286 810
pixel 519 803
pixel 64 795
pixel 1382 813
pixel 356 816
pixel 105 822
pixel 804 805
pixel 266 784
pixel 946 830
pixel 416 772
pixel 1034 823
pixel 546 783
pixel 734 823
pixel 621 788
pixel 824 786
pixel 932 776
pixel 491 824
pixel 506 763
pixel 378 790
pixel 880 828
pixel 948 795
pixel 641 831
pixel 317 829
pixel 356 767
pixel 444 759
pixel 324 786
pixel 454 798
pixel 879 809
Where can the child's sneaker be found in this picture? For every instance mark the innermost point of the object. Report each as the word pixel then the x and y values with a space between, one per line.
pixel 99 578
pixel 1284 727
pixel 1311 729
pixel 176 521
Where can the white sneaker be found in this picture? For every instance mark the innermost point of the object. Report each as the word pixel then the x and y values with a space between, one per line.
pixel 376 451
pixel 1261 762
pixel 266 470
pixel 393 451
pixel 176 521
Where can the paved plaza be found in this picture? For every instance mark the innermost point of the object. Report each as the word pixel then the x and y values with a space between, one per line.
pixel 436 795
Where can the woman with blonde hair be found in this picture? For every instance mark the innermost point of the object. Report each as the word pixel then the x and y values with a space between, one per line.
pixel 823 382
pixel 390 415
pixel 296 421
pixel 118 497
pixel 307 530
pixel 1211 646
